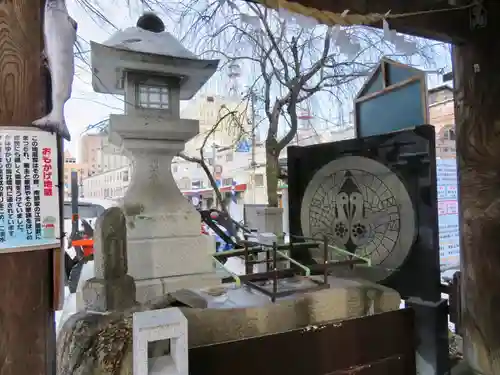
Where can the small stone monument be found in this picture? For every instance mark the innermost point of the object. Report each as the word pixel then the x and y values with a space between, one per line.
pixel 156 326
pixel 112 288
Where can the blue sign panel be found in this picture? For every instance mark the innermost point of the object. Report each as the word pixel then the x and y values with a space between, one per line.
pixel 244 145
pixel 398 109
pixel 393 98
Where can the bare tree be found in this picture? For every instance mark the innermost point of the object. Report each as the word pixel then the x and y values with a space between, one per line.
pixel 228 120
pixel 285 62
pixel 290 63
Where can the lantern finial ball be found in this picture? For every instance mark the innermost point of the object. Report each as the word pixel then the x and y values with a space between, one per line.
pixel 151 22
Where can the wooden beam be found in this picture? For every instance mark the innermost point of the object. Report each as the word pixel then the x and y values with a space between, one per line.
pixel 447 26
pixel 26 318
pixel 477 86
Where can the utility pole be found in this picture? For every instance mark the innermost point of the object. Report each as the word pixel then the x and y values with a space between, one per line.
pixel 27 333
pixel 80 184
pixel 254 143
pixel 214 157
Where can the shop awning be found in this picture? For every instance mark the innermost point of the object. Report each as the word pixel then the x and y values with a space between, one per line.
pixel 223 189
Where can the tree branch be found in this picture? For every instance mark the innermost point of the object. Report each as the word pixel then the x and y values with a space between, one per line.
pixel 201 160
pixel 211 178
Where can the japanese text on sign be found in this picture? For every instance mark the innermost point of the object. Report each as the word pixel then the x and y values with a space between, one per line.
pixel 47 172
pixel 29 202
pixel 449 235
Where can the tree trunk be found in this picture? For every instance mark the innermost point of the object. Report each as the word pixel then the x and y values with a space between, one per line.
pixel 218 196
pixel 272 172
pixel 477 84
pixel 26 316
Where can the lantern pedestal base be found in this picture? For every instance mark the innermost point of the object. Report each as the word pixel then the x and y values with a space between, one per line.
pixel 165 251
pixel 164 265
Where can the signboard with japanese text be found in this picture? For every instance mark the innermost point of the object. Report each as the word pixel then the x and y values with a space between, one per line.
pixel 29 197
pixel 449 235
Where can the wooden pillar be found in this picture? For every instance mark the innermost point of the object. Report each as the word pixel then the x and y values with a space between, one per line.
pixel 477 85
pixel 26 318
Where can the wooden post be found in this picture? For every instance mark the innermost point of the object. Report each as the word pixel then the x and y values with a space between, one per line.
pixel 26 318
pixel 477 85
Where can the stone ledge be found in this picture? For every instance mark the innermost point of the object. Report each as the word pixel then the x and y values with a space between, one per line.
pixel 85 334
pixel 147 290
pixel 158 128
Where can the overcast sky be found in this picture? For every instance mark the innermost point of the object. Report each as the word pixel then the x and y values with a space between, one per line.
pixel 86 107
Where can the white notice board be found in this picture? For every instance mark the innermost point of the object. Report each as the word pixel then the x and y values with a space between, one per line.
pixel 29 197
pixel 449 228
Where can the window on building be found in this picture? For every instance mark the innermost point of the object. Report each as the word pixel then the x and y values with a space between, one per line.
pixel 125 176
pixel 155 97
pixel 175 168
pixel 227 181
pixel 197 184
pixel 449 134
pixel 184 183
pixel 210 161
pixel 229 156
pixel 259 180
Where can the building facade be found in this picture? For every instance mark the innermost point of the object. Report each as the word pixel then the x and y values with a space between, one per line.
pixel 99 155
pixel 89 146
pixel 111 184
pixel 222 121
pixel 442 116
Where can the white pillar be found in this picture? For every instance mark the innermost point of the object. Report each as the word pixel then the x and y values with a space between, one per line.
pixel 286 223
pixel 166 250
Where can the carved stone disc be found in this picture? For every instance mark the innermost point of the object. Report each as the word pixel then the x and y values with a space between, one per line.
pixel 362 207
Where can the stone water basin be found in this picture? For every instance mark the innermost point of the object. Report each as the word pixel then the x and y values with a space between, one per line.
pixel 103 343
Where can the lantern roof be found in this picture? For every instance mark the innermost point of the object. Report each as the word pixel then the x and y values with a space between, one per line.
pixel 148 49
pixel 136 39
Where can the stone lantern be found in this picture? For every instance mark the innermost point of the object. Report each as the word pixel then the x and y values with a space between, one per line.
pixel 154 72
